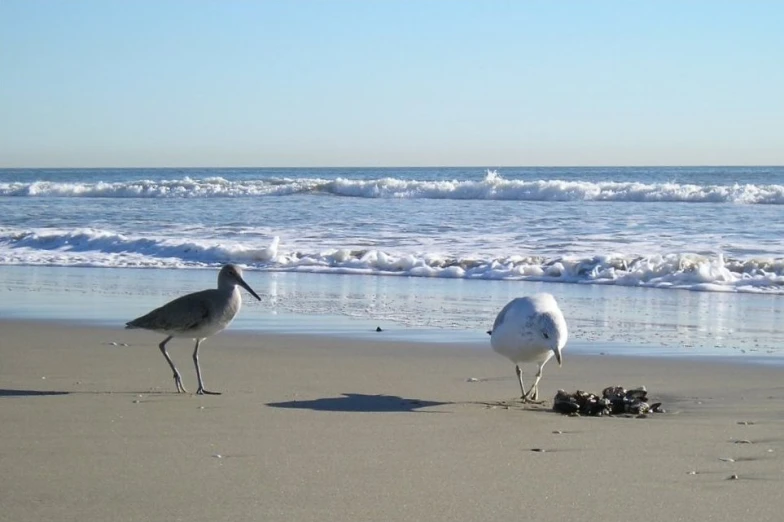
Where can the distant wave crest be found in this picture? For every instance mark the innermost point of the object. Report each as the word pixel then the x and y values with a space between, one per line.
pixel 91 247
pixel 492 187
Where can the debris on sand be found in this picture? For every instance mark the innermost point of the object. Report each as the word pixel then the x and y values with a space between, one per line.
pixel 614 400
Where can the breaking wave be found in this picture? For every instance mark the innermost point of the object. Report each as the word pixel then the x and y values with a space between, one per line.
pixel 98 248
pixel 492 187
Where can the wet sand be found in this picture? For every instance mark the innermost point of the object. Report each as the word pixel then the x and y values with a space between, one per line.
pixel 315 428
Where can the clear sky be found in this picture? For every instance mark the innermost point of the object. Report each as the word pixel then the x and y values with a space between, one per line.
pixel 101 83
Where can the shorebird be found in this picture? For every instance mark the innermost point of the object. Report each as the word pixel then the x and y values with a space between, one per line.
pixel 530 329
pixel 197 316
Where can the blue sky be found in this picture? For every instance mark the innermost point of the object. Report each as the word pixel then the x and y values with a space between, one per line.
pixel 390 83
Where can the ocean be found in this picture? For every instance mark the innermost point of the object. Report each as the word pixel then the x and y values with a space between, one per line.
pixel 676 260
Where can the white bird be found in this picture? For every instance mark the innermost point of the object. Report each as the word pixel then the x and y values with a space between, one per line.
pixel 197 316
pixel 530 329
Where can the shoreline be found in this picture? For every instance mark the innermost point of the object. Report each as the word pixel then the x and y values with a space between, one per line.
pixel 411 309
pixel 435 338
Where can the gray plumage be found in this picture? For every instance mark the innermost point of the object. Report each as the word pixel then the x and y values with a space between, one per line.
pixel 197 316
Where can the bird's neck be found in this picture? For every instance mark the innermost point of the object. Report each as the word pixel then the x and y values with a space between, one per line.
pixel 227 288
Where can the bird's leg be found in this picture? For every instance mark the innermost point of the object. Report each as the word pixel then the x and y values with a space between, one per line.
pixel 177 376
pixel 201 390
pixel 533 393
pixel 520 378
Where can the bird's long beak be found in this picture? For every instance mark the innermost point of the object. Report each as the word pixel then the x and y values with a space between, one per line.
pixel 558 356
pixel 247 287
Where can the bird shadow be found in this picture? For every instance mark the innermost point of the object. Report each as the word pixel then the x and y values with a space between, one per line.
pixel 357 402
pixel 29 393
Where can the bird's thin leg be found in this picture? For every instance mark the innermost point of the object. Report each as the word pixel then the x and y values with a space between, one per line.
pixel 177 376
pixel 201 390
pixel 533 393
pixel 520 378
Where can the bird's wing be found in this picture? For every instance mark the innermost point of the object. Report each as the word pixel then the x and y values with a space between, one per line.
pixel 192 314
pixel 180 315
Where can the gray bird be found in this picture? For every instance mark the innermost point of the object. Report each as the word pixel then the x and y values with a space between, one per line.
pixel 197 316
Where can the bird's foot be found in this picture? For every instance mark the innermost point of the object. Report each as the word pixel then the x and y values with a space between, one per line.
pixel 202 391
pixel 527 399
pixel 533 395
pixel 178 383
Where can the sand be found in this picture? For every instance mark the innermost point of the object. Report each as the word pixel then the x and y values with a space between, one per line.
pixel 321 429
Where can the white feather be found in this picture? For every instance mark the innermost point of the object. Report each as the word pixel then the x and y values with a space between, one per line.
pixel 530 329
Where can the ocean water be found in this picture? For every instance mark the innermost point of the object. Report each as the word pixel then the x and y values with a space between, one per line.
pixel 690 249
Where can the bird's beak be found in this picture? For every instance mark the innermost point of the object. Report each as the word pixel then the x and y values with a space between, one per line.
pixel 558 356
pixel 247 287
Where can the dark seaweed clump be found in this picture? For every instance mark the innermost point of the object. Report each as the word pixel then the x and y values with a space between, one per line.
pixel 614 400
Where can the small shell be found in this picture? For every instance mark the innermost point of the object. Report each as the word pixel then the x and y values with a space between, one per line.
pixel 637 393
pixel 613 391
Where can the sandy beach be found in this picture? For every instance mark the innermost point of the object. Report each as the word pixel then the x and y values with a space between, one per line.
pixel 320 429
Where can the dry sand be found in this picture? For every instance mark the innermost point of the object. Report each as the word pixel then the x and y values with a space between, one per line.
pixel 322 429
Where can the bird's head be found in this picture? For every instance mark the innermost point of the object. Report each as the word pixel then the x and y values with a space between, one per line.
pixel 231 275
pixel 555 334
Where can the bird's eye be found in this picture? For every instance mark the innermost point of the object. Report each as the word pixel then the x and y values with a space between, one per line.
pixel 545 335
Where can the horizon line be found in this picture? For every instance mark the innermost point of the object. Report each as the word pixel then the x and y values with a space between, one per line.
pixel 193 167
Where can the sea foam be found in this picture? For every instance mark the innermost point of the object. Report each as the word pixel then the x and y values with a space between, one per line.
pixel 100 248
pixel 492 187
